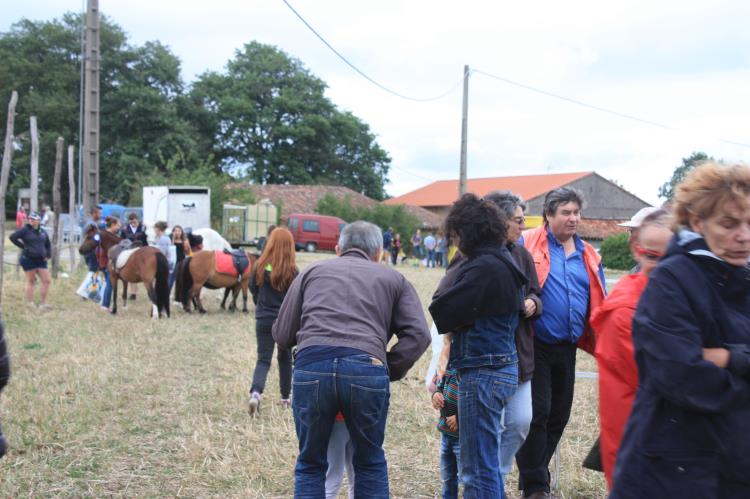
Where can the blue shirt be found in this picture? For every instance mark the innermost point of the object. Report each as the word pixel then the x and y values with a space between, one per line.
pixel 565 295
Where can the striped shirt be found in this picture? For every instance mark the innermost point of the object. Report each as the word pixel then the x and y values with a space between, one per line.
pixel 448 386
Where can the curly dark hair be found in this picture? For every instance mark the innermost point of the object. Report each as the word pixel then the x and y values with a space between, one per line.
pixel 477 223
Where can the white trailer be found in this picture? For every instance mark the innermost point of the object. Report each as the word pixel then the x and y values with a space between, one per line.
pixel 185 205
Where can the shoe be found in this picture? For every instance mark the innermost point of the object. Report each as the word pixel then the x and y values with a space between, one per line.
pixel 31 304
pixel 538 495
pixel 285 403
pixel 45 306
pixel 104 309
pixel 254 404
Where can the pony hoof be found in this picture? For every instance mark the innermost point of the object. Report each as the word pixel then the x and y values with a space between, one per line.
pixel 245 311
pixel 201 312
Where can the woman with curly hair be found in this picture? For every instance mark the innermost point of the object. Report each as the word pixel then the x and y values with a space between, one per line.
pixel 273 274
pixel 481 308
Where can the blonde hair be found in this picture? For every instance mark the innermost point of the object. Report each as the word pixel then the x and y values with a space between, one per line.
pixel 708 188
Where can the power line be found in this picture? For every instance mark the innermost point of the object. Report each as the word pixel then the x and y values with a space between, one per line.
pixel 596 108
pixel 362 73
pixel 573 101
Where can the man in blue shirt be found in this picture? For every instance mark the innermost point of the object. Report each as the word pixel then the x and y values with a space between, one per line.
pixel 572 281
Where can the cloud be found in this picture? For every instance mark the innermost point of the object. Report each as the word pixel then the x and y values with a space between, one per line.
pixel 681 63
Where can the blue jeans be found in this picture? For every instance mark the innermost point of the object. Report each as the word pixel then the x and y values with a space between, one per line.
pixel 450 463
pixel 515 426
pixel 431 258
pixel 483 393
pixel 357 386
pixel 107 289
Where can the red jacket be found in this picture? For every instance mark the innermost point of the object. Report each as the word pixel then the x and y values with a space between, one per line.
pixel 618 373
pixel 535 240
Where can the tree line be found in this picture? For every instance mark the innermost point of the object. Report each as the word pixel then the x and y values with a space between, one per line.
pixel 264 118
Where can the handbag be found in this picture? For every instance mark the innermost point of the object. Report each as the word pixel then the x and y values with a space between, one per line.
pixel 92 287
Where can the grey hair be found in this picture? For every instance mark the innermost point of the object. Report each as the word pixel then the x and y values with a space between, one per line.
pixel 506 201
pixel 363 236
pixel 561 195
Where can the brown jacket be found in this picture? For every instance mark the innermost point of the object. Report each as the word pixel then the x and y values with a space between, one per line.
pixel 353 302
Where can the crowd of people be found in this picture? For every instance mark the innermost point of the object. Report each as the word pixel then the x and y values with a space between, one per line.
pixel 671 341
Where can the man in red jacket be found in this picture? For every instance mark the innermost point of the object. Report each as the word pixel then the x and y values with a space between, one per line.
pixel 612 323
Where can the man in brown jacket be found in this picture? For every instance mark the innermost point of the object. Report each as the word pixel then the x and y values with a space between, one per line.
pixel 340 314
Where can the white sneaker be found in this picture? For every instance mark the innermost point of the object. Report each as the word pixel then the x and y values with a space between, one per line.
pixel 254 404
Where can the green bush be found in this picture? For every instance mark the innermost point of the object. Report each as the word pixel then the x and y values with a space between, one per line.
pixel 615 253
pixel 382 215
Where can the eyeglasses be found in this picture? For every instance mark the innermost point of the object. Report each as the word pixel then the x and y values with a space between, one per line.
pixel 519 220
pixel 647 253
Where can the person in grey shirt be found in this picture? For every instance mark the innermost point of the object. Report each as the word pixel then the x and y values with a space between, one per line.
pixel 161 240
pixel 341 314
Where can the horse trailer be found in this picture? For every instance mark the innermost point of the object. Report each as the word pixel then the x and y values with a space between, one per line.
pixel 185 205
pixel 247 225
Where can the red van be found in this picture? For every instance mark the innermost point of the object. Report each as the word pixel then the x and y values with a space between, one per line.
pixel 313 232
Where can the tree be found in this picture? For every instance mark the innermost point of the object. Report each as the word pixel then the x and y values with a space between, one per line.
pixel 382 215
pixel 271 123
pixel 141 114
pixel 668 189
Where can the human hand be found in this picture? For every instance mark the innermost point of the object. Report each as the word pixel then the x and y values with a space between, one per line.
pixel 717 356
pixel 529 307
pixel 452 422
pixel 437 400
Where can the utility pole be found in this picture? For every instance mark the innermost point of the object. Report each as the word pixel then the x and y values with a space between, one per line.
pixel 91 109
pixel 464 126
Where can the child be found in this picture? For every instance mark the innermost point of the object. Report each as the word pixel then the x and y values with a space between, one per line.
pixel 340 454
pixel 445 399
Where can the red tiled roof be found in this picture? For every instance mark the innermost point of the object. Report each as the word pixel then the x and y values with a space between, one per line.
pixel 445 192
pixel 599 229
pixel 305 198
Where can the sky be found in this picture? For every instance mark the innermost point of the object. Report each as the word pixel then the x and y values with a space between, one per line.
pixel 683 65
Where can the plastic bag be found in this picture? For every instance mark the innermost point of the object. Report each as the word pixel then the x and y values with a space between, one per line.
pixel 92 287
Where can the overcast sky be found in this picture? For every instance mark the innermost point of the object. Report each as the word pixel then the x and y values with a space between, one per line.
pixel 680 63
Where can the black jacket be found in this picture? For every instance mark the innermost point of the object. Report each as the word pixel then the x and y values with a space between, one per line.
pixel 267 299
pixel 4 376
pixel 688 434
pixel 486 285
pixel 34 243
pixel 138 236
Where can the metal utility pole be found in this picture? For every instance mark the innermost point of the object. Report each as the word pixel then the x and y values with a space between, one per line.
pixel 464 126
pixel 91 109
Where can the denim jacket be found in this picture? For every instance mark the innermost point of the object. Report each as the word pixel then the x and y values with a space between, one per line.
pixel 491 342
pixel 482 308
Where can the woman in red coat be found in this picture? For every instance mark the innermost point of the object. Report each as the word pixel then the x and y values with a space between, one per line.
pixel 612 322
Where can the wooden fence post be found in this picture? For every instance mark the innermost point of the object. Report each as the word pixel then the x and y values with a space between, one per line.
pixel 73 214
pixel 57 207
pixel 4 173
pixel 34 183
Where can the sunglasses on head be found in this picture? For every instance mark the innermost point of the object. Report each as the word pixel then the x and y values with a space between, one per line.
pixel 647 253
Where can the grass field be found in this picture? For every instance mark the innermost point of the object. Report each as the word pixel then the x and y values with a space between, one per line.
pixel 124 406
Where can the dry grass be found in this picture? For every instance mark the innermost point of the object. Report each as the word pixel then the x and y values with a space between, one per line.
pixel 125 406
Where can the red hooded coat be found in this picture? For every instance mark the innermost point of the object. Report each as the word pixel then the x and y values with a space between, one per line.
pixel 618 374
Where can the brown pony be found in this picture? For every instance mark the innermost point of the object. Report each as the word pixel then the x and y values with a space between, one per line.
pixel 199 270
pixel 147 264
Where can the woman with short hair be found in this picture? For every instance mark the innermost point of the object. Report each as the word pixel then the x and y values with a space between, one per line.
pixel 687 435
pixel 35 251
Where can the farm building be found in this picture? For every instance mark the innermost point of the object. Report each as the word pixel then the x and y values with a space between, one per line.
pixel 606 203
